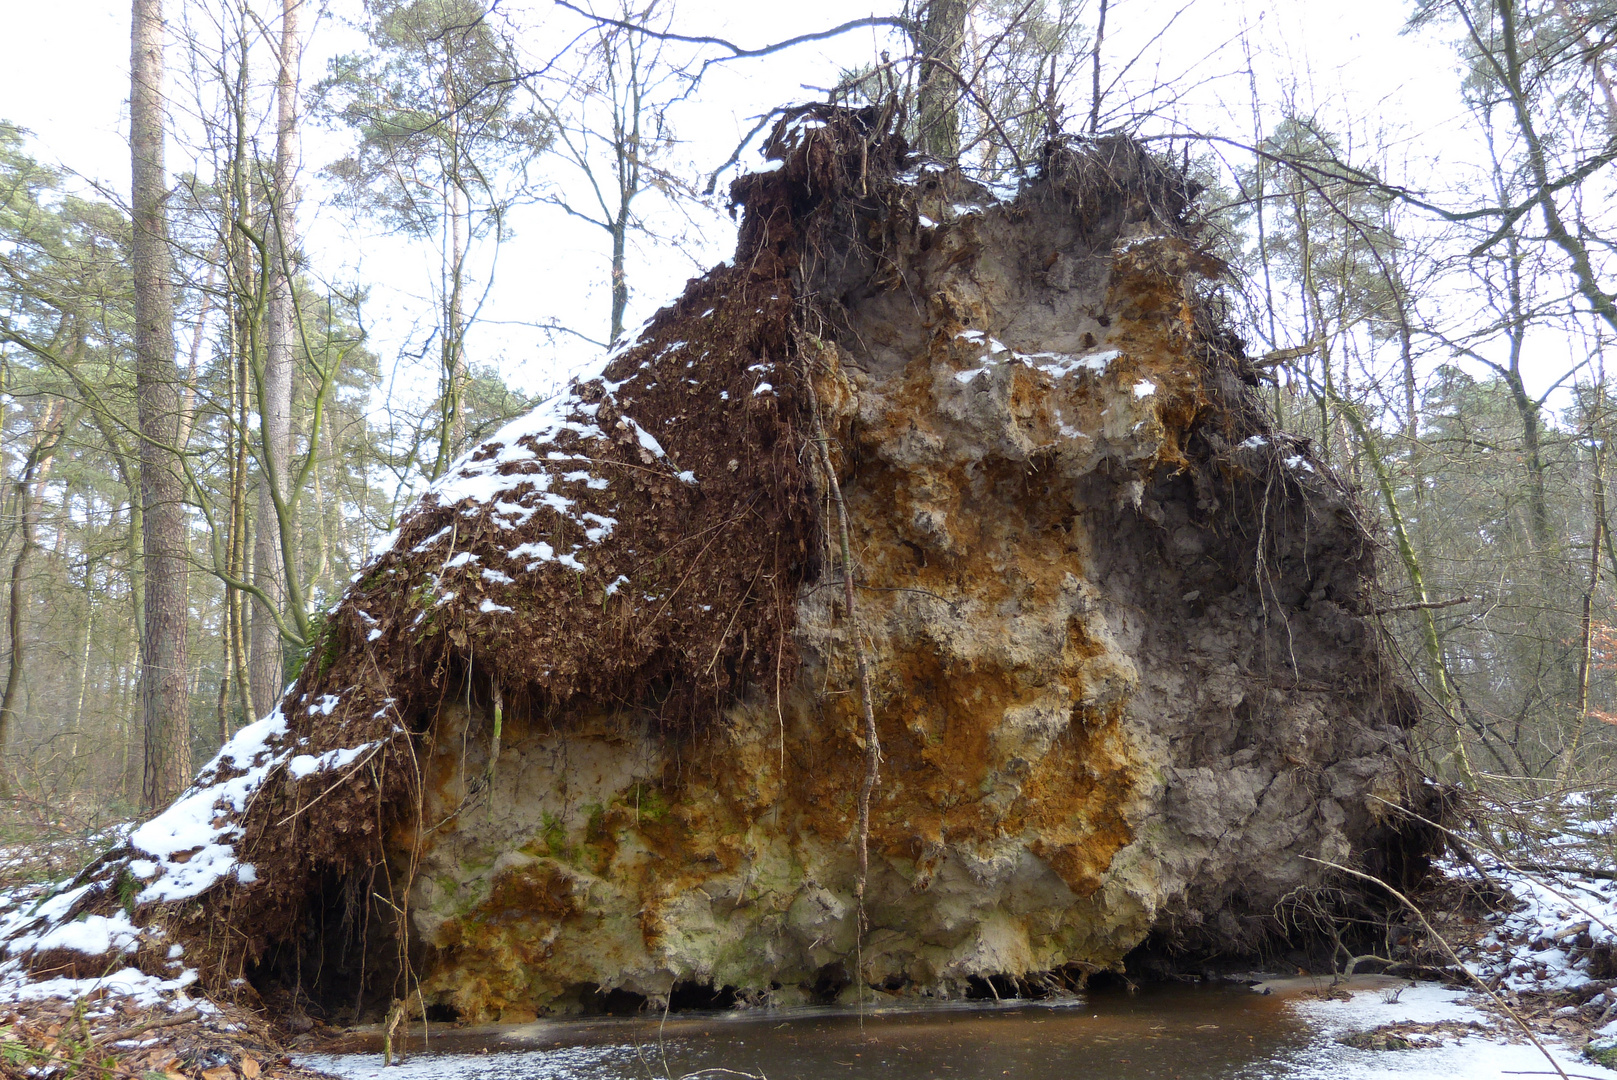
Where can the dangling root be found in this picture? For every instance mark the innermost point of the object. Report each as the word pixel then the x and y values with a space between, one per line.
pixel 872 738
pixel 494 742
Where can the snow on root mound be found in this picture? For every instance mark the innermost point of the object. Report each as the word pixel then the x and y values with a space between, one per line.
pixel 178 855
pixel 34 922
pixel 202 823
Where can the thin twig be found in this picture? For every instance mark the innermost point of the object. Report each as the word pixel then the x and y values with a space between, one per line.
pixel 1559 868
pixel 737 52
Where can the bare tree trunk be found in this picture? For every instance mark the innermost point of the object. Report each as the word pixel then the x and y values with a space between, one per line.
pixel 264 662
pixel 1314 323
pixel 620 273
pixel 321 539
pixel 452 354
pixel 164 673
pixel 273 561
pixel 1537 503
pixel 1406 357
pixel 238 559
pixel 456 368
pixel 627 149
pixel 942 33
pixel 119 705
pixel 1094 92
pixel 84 676
pixel 236 535
pixel 227 677
pixel 333 535
pixel 1586 619
pixel 188 413
pixel 1442 686
pixel 122 707
pixel 239 628
pixel 30 487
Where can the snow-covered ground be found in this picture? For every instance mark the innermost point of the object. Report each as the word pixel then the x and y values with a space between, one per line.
pixel 1491 1052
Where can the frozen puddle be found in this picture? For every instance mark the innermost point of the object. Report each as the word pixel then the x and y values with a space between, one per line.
pixel 1180 1032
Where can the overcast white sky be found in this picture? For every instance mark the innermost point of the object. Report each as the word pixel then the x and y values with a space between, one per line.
pixel 66 79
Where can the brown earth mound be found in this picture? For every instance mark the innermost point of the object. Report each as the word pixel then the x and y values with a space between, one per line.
pixel 591 724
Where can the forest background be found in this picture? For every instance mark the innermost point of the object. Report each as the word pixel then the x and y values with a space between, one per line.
pixel 327 246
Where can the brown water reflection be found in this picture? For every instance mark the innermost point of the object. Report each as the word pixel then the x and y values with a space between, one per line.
pixel 1175 1033
pixel 1161 1032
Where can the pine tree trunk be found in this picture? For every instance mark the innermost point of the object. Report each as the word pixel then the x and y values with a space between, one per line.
pixel 1095 91
pixel 164 672
pixel 942 32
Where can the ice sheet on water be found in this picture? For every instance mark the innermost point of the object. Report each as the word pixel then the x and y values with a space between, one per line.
pixel 563 1063
pixel 1319 1057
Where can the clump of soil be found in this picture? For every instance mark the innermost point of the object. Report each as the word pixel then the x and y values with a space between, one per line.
pixel 1412 1035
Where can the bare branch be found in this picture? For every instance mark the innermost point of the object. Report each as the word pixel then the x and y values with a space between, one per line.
pixel 737 52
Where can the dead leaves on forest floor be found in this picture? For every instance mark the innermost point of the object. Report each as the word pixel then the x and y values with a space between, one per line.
pixel 113 1038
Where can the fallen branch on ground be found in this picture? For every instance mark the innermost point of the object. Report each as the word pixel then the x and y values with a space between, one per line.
pixel 151 1025
pixel 1426 605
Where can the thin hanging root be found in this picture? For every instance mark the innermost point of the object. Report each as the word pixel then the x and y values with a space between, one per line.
pixel 872 738
pixel 494 743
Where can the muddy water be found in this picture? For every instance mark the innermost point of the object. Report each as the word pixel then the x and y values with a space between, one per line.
pixel 1182 1033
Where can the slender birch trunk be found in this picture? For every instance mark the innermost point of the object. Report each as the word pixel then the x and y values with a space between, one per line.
pixel 274 561
pixel 1586 617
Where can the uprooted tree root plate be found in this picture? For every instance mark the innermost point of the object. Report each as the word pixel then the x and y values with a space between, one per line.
pixel 597 730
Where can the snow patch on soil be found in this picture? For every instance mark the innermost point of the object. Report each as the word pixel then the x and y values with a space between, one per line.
pixel 1473 1057
pixel 34 919
pixel 145 990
